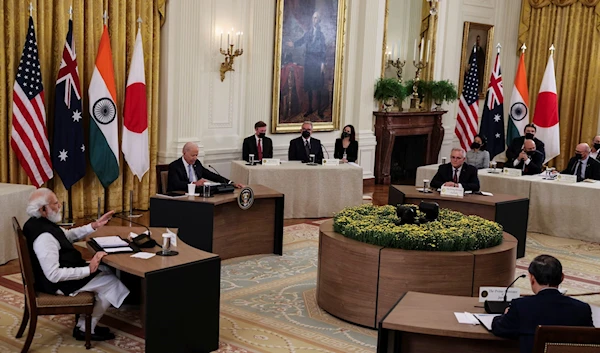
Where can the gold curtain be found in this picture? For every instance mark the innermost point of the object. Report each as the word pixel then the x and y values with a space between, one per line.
pixel 573 27
pixel 51 20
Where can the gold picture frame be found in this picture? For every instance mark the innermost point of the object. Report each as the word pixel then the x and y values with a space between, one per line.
pixel 485 33
pixel 320 77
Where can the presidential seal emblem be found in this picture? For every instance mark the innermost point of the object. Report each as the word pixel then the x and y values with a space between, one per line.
pixel 246 198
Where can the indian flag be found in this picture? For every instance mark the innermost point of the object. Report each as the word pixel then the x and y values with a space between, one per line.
pixel 519 104
pixel 104 131
pixel 135 115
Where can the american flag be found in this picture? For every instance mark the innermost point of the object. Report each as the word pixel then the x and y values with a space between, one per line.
pixel 29 137
pixel 466 121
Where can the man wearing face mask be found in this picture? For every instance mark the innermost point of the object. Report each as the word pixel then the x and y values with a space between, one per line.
pixel 529 160
pixel 582 165
pixel 595 148
pixel 258 144
pixel 305 145
pixel 516 146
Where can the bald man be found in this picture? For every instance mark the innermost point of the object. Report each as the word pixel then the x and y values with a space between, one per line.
pixel 582 165
pixel 529 159
pixel 188 170
pixel 595 148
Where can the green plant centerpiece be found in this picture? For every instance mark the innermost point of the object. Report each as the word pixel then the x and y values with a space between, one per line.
pixel 452 231
pixel 443 91
pixel 390 92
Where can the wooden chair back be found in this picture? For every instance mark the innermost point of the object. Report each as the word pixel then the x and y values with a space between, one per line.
pixel 26 268
pixel 566 339
pixel 162 178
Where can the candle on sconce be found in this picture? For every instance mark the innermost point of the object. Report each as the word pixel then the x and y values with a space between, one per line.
pixel 428 49
pixel 221 41
pixel 241 40
pixel 394 52
pixel 421 49
pixel 415 52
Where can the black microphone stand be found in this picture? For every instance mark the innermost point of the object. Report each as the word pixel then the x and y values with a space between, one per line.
pixel 498 307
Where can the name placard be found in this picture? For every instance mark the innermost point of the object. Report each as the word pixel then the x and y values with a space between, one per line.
pixel 512 172
pixel 271 161
pixel 497 293
pixel 451 191
pixel 567 178
pixel 331 161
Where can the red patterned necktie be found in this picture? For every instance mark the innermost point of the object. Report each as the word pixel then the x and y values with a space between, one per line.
pixel 259 147
pixel 455 179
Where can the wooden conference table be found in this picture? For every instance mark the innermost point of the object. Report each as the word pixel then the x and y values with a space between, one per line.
pixel 556 208
pixel 310 191
pixel 220 226
pixel 425 323
pixel 179 294
pixel 509 211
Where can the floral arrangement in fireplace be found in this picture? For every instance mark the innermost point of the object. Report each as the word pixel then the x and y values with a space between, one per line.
pixel 452 231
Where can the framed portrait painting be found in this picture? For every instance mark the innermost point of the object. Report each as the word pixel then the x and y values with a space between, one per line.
pixel 477 40
pixel 308 64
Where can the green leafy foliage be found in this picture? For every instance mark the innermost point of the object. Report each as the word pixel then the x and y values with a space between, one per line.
pixel 453 231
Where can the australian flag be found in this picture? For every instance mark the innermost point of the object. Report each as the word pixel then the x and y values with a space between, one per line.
pixel 68 152
pixel 492 120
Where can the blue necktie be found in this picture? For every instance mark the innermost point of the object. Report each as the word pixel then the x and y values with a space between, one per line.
pixel 190 173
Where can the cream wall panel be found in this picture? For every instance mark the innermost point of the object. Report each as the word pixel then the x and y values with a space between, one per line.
pixel 196 106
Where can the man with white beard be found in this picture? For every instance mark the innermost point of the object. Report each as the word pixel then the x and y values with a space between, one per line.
pixel 59 268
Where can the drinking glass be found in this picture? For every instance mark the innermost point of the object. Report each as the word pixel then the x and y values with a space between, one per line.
pixel 166 249
pixel 251 158
pixel 311 158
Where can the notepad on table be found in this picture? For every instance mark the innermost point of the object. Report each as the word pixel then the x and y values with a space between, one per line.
pixel 486 319
pixel 110 241
pixel 118 249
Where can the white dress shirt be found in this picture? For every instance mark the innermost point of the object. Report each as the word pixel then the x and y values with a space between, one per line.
pixel 46 248
pixel 594 155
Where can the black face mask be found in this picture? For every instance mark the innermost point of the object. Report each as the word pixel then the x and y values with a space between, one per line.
pixel 475 145
pixel 530 153
pixel 306 134
pixel 597 146
pixel 262 135
pixel 579 155
pixel 345 134
pixel 529 136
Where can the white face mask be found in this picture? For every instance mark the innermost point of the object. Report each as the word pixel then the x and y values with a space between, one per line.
pixel 54 217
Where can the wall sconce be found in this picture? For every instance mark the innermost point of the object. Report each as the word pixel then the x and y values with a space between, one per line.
pixel 433 6
pixel 229 51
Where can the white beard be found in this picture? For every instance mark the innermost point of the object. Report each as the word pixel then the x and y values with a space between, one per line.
pixel 54 217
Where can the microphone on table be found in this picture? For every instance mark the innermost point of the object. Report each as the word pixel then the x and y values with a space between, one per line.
pixel 143 240
pixel 213 168
pixel 498 307
pixel 322 145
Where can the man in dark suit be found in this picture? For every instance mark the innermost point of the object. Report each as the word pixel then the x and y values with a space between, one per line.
pixel 188 170
pixel 529 160
pixel 456 173
pixel 258 144
pixel 516 146
pixel 582 164
pixel 305 145
pixel 595 154
pixel 547 307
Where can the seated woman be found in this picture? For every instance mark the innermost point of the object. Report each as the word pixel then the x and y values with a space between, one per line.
pixel 478 156
pixel 346 148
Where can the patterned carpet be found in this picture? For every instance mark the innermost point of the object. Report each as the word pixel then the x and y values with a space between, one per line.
pixel 268 303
